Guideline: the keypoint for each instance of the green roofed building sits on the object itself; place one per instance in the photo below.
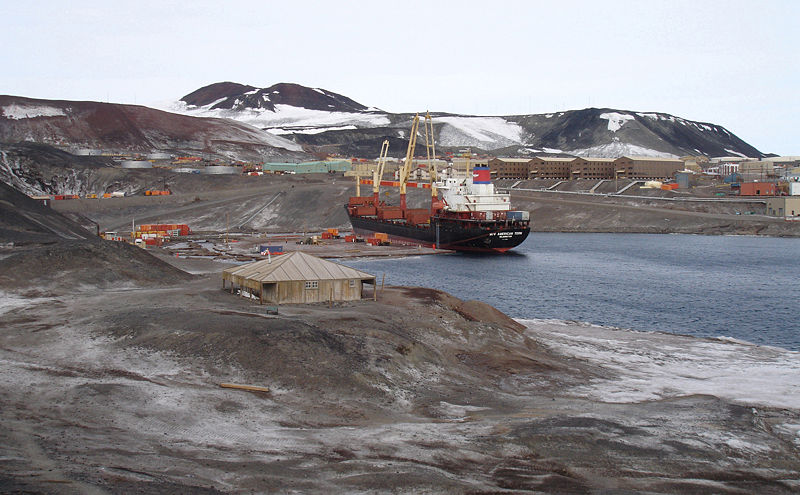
(320, 167)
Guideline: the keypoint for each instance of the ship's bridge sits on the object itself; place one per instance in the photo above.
(462, 194)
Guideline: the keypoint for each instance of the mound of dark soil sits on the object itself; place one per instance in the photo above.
(24, 220)
(69, 264)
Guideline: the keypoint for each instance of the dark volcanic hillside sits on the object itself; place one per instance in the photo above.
(327, 122)
(108, 126)
(234, 96)
(24, 220)
(608, 132)
(40, 246)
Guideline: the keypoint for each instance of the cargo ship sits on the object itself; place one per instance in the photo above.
(466, 212)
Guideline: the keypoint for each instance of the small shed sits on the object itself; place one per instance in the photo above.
(297, 278)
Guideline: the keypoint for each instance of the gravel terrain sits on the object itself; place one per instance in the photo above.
(112, 360)
(118, 390)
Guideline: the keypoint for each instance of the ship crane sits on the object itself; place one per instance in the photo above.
(405, 171)
(466, 212)
(377, 172)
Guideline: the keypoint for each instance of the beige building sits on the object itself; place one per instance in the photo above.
(548, 167)
(509, 168)
(648, 167)
(783, 206)
(592, 168)
(297, 278)
(757, 169)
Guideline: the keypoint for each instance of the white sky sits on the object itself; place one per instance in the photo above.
(733, 63)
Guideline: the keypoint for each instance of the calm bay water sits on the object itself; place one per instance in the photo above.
(741, 287)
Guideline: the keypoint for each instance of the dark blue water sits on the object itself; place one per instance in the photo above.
(741, 287)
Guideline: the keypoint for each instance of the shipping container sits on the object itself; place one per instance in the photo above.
(361, 200)
(366, 210)
(390, 213)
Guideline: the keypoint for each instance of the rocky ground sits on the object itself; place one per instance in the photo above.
(111, 362)
(118, 390)
(281, 204)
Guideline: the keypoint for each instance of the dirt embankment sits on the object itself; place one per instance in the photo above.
(315, 202)
(554, 212)
(418, 391)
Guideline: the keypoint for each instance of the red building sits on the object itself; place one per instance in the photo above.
(758, 189)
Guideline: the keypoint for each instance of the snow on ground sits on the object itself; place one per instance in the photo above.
(651, 366)
(477, 131)
(286, 118)
(616, 120)
(16, 112)
(10, 301)
(736, 153)
(617, 149)
(656, 116)
(293, 130)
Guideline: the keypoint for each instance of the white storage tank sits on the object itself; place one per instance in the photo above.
(136, 164)
(220, 170)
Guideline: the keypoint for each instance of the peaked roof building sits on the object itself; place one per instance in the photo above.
(297, 277)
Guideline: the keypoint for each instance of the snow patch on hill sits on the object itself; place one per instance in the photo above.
(285, 118)
(657, 116)
(484, 132)
(17, 112)
(616, 120)
(617, 149)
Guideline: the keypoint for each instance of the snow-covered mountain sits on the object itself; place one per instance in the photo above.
(331, 122)
(280, 109)
(114, 127)
(290, 122)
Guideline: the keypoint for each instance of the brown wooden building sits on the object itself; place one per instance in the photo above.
(297, 277)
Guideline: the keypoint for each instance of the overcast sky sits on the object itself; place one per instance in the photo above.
(733, 63)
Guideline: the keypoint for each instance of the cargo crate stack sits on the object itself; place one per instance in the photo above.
(156, 234)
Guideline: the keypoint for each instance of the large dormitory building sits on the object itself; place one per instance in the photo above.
(632, 167)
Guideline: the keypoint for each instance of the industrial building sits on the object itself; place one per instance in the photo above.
(509, 168)
(647, 167)
(319, 167)
(758, 189)
(548, 167)
(757, 169)
(784, 206)
(592, 168)
(297, 278)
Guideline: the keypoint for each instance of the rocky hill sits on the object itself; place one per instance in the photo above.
(134, 128)
(328, 122)
(39, 246)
